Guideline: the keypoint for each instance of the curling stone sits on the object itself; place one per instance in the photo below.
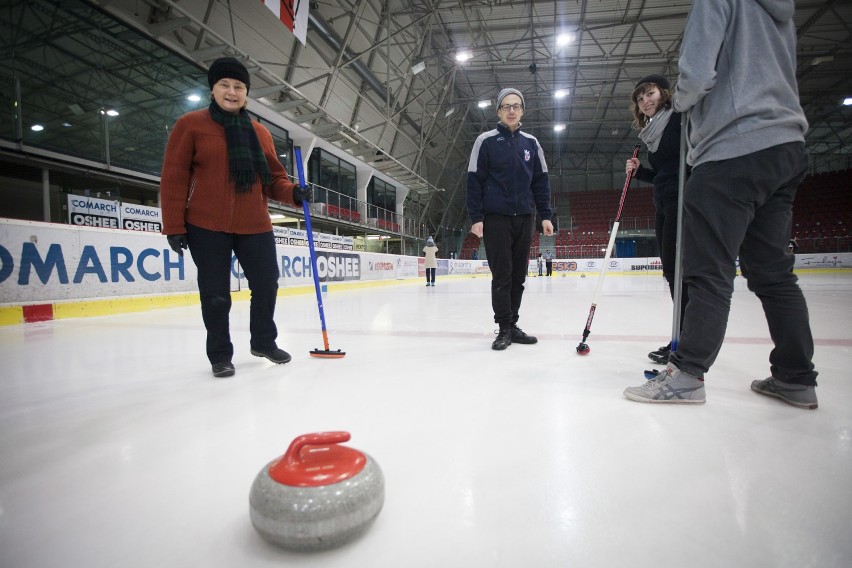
(318, 495)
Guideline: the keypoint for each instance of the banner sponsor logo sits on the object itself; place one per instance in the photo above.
(655, 264)
(817, 261)
(51, 265)
(330, 266)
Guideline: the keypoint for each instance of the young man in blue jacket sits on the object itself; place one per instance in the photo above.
(746, 138)
(507, 183)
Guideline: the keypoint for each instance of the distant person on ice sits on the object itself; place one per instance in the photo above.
(431, 264)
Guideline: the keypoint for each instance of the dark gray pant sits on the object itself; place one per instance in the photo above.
(744, 206)
(507, 247)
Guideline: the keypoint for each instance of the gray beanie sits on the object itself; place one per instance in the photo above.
(505, 92)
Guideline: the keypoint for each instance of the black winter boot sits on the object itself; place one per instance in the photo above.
(274, 354)
(661, 355)
(504, 337)
(518, 336)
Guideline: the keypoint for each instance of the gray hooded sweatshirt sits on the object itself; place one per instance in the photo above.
(738, 78)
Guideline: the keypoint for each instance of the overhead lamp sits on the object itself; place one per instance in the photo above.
(36, 127)
(847, 101)
(109, 112)
(483, 104)
(193, 98)
(418, 67)
(558, 127)
(463, 56)
(564, 39)
(561, 93)
(450, 111)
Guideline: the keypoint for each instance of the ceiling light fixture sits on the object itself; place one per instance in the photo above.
(558, 127)
(564, 39)
(561, 93)
(463, 56)
(483, 104)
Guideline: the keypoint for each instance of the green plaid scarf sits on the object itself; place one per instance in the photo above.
(246, 160)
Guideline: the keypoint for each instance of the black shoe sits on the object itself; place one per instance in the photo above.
(504, 338)
(518, 336)
(223, 369)
(274, 354)
(661, 355)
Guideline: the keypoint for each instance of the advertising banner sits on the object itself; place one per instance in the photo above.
(141, 218)
(93, 212)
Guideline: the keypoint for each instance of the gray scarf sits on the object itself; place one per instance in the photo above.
(653, 131)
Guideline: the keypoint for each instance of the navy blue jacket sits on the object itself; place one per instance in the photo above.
(507, 175)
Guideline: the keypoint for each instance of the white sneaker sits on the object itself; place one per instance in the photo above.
(671, 386)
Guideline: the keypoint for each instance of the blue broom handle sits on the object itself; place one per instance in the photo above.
(300, 168)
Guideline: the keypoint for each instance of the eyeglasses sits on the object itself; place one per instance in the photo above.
(515, 107)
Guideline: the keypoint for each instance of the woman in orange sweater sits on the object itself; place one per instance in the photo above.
(219, 169)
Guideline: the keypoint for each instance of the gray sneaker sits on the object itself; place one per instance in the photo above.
(803, 396)
(670, 386)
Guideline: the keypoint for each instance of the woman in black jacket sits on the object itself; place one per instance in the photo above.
(659, 129)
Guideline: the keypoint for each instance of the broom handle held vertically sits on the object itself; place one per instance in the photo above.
(677, 292)
(613, 233)
(300, 168)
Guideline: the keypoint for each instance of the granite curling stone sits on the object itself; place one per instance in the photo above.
(318, 495)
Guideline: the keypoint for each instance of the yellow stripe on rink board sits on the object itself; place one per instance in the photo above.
(112, 306)
(11, 315)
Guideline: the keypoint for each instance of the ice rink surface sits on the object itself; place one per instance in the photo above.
(119, 449)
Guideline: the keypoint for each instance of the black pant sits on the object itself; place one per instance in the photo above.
(549, 265)
(666, 231)
(430, 273)
(744, 206)
(507, 248)
(211, 252)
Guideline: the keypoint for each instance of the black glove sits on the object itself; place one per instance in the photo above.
(178, 243)
(302, 194)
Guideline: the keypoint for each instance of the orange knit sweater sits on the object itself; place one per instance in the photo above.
(194, 184)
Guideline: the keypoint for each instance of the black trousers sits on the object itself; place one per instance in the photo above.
(211, 251)
(507, 248)
(549, 265)
(430, 273)
(744, 207)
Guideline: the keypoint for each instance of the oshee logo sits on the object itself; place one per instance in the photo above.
(336, 266)
(331, 266)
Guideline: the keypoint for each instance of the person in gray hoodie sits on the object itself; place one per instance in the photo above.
(745, 135)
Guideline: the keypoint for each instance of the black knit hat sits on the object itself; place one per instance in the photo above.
(228, 68)
(658, 80)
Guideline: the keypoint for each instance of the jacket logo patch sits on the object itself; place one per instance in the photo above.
(526, 155)
(500, 139)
